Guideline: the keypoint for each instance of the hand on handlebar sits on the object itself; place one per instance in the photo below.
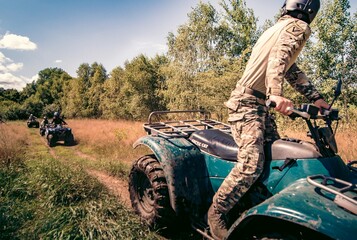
(282, 105)
(292, 112)
(320, 103)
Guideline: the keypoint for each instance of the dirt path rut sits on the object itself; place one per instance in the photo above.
(118, 187)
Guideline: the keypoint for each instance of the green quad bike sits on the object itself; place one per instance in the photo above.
(306, 190)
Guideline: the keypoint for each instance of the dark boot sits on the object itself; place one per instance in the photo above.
(217, 222)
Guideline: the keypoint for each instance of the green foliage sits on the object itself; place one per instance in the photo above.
(205, 58)
(240, 27)
(331, 55)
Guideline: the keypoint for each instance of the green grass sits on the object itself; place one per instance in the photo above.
(43, 197)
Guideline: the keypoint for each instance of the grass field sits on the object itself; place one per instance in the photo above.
(48, 193)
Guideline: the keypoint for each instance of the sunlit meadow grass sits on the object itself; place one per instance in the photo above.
(13, 141)
(109, 142)
(112, 140)
(43, 197)
(346, 138)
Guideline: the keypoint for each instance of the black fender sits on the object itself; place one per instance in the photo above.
(184, 169)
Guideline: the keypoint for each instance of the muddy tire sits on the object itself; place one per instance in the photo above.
(69, 141)
(149, 193)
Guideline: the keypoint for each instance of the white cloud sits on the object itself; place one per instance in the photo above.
(8, 80)
(58, 61)
(7, 65)
(34, 78)
(7, 77)
(13, 67)
(3, 58)
(17, 42)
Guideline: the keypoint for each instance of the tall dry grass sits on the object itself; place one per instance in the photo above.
(107, 139)
(113, 139)
(13, 142)
(345, 137)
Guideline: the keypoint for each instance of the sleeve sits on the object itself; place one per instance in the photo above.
(301, 83)
(284, 52)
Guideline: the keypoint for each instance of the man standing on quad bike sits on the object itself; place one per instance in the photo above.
(32, 117)
(44, 121)
(57, 119)
(272, 59)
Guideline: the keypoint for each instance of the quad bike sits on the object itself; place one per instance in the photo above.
(43, 130)
(306, 191)
(57, 132)
(43, 127)
(33, 123)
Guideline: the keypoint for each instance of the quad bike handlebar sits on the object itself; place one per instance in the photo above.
(309, 111)
(324, 136)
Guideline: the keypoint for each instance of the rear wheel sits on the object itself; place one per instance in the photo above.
(149, 193)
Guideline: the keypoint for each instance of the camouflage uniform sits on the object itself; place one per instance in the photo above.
(58, 120)
(272, 60)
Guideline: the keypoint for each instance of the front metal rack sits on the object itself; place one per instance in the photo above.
(182, 128)
(341, 197)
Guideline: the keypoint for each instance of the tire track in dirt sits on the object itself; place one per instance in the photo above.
(118, 187)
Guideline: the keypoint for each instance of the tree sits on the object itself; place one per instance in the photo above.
(141, 81)
(240, 27)
(98, 75)
(208, 55)
(332, 54)
(111, 104)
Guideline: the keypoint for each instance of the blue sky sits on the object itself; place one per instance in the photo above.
(37, 34)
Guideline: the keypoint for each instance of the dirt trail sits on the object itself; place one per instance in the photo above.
(116, 186)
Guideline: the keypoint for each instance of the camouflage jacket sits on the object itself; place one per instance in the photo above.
(273, 60)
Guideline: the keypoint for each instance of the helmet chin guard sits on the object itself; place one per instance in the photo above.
(309, 8)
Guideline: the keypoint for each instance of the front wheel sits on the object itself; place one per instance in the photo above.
(69, 141)
(149, 193)
(51, 140)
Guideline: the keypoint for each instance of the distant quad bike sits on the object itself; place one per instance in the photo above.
(43, 130)
(306, 190)
(55, 133)
(33, 123)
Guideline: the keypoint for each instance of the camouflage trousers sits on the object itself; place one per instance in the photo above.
(251, 126)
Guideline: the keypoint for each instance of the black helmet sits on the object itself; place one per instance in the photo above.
(56, 114)
(308, 7)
